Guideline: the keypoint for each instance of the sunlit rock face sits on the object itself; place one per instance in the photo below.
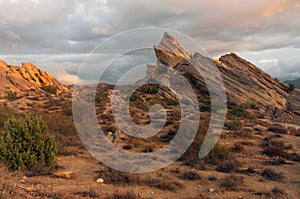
(243, 81)
(24, 78)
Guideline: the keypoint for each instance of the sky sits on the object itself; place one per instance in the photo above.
(57, 35)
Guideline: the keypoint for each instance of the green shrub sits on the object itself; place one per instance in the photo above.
(24, 145)
(218, 105)
(50, 89)
(238, 111)
(215, 156)
(11, 95)
(291, 87)
(135, 96)
(98, 99)
(251, 104)
(204, 107)
(218, 154)
(173, 103)
(151, 89)
(234, 125)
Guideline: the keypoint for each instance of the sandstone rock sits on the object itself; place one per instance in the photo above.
(36, 76)
(20, 79)
(170, 52)
(243, 81)
(211, 190)
(64, 174)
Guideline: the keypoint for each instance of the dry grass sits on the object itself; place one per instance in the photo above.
(159, 181)
(231, 183)
(127, 195)
(190, 175)
(8, 183)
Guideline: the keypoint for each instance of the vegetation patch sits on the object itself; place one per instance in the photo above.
(190, 175)
(231, 183)
(50, 89)
(227, 166)
(271, 175)
(234, 125)
(11, 95)
(24, 144)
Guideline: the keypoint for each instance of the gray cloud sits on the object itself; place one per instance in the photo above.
(40, 29)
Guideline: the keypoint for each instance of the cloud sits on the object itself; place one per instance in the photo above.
(10, 35)
(100, 30)
(32, 27)
(282, 63)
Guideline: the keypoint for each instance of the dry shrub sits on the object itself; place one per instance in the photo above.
(275, 148)
(271, 175)
(161, 182)
(38, 170)
(88, 194)
(149, 147)
(231, 183)
(227, 166)
(276, 128)
(294, 131)
(127, 195)
(234, 125)
(190, 175)
(212, 178)
(277, 191)
(238, 147)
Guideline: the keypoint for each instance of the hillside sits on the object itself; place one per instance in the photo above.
(257, 154)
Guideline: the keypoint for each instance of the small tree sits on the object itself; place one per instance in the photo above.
(291, 87)
(24, 145)
(50, 89)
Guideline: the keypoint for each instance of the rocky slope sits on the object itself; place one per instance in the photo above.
(25, 78)
(243, 80)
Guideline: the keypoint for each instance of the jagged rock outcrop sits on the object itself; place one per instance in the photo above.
(243, 81)
(170, 52)
(24, 78)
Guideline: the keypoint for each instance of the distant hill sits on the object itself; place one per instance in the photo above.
(296, 82)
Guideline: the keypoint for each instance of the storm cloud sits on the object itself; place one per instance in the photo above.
(56, 35)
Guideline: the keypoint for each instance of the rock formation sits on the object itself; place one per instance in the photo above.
(24, 78)
(243, 80)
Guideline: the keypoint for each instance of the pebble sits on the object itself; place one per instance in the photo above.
(100, 180)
